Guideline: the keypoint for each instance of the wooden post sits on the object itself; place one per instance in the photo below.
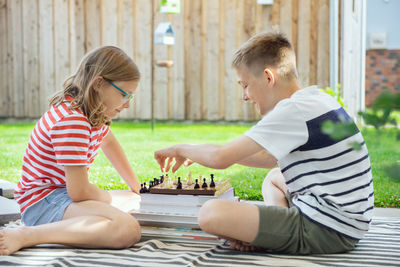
(352, 56)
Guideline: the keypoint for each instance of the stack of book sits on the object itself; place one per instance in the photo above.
(174, 217)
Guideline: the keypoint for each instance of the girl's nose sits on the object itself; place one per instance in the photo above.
(126, 104)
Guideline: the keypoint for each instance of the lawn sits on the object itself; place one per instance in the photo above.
(139, 143)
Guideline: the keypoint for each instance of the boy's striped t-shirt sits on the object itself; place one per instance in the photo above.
(63, 136)
(331, 183)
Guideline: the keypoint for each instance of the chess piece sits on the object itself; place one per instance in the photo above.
(155, 181)
(161, 179)
(212, 184)
(190, 179)
(179, 185)
(196, 186)
(145, 190)
(141, 189)
(168, 184)
(204, 185)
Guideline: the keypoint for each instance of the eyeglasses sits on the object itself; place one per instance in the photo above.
(127, 97)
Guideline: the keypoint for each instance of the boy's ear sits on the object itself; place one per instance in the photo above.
(270, 76)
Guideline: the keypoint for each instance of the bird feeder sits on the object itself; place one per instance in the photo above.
(164, 34)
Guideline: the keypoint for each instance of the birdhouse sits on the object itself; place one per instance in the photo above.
(265, 2)
(164, 34)
(170, 6)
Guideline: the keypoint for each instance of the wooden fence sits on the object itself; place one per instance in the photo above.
(42, 42)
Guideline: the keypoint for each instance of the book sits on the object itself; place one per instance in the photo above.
(179, 235)
(190, 200)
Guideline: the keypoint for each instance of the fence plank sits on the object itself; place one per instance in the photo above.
(30, 55)
(92, 24)
(263, 19)
(76, 33)
(125, 39)
(239, 41)
(285, 18)
(142, 52)
(160, 73)
(4, 91)
(46, 53)
(193, 60)
(109, 22)
(313, 41)
(276, 14)
(303, 48)
(249, 29)
(229, 77)
(61, 43)
(295, 23)
(212, 61)
(178, 71)
(15, 67)
(323, 44)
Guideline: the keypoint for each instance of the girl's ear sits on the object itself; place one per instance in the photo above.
(270, 76)
(97, 83)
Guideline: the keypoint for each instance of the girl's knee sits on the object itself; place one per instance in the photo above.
(127, 232)
(209, 215)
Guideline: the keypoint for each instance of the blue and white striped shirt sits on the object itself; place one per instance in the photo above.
(330, 182)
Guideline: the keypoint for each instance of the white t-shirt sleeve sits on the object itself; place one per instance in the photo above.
(282, 130)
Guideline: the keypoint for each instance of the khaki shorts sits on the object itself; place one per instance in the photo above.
(286, 230)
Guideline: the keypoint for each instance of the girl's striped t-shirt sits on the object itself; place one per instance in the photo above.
(63, 136)
(330, 180)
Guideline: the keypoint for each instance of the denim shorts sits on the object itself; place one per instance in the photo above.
(49, 209)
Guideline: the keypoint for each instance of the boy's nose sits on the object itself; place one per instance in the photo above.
(245, 97)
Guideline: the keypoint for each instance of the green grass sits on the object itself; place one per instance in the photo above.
(139, 143)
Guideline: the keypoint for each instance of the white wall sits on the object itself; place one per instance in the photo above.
(384, 16)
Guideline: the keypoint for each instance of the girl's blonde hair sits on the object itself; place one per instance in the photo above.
(112, 64)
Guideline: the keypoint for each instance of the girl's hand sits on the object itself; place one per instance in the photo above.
(135, 186)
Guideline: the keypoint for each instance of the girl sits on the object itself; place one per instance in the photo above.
(57, 201)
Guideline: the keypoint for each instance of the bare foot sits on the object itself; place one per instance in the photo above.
(11, 240)
(244, 247)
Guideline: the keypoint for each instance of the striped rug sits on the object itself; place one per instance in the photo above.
(380, 247)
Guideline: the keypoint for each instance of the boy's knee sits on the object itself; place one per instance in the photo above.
(274, 178)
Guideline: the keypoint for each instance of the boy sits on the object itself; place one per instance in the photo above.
(320, 198)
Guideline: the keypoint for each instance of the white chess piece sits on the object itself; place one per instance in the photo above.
(190, 179)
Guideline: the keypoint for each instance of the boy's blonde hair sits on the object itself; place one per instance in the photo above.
(267, 50)
(112, 64)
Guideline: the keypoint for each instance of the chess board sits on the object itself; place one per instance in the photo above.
(186, 189)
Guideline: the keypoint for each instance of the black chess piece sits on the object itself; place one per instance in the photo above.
(197, 186)
(145, 190)
(141, 188)
(179, 184)
(212, 184)
(204, 185)
(150, 184)
(161, 179)
(155, 181)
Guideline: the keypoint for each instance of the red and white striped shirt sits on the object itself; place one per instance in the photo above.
(61, 137)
